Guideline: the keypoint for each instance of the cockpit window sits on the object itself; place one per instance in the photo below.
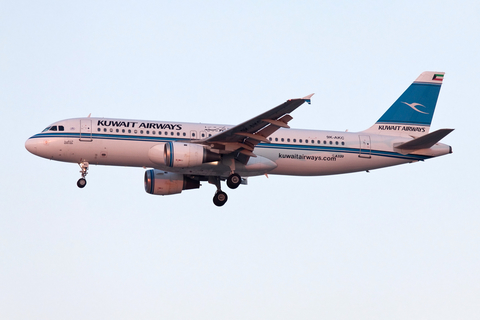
(54, 128)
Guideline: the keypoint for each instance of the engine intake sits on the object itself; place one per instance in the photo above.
(164, 183)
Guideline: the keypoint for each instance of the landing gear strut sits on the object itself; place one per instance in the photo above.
(82, 182)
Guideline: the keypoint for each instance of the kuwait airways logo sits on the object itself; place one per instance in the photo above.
(414, 105)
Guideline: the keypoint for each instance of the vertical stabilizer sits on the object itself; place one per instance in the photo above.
(412, 113)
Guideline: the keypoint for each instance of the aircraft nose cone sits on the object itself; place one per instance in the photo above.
(30, 145)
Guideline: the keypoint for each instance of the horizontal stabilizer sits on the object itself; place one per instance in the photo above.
(426, 141)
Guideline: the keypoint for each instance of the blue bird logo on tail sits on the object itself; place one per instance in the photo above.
(413, 105)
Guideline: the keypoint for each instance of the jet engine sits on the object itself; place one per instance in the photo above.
(164, 183)
(180, 154)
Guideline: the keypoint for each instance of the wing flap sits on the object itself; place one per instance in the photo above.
(277, 123)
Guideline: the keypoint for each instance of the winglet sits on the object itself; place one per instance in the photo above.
(308, 98)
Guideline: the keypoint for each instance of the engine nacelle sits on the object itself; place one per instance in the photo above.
(180, 154)
(165, 183)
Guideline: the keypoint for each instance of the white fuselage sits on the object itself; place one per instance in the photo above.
(120, 142)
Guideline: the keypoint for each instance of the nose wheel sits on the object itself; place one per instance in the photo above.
(82, 182)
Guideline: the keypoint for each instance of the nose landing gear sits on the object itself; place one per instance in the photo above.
(82, 182)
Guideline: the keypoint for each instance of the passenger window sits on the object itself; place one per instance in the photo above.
(148, 131)
(104, 129)
(336, 142)
(270, 138)
(129, 131)
(159, 133)
(123, 130)
(300, 140)
(282, 139)
(306, 140)
(331, 142)
(171, 133)
(111, 130)
(343, 143)
(184, 134)
(98, 129)
(203, 135)
(178, 134)
(294, 140)
(288, 139)
(276, 139)
(117, 131)
(141, 131)
(324, 142)
(193, 134)
(153, 132)
(135, 131)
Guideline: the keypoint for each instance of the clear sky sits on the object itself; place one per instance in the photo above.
(395, 243)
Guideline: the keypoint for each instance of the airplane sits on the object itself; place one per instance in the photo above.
(182, 155)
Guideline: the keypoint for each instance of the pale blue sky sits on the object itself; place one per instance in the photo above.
(397, 243)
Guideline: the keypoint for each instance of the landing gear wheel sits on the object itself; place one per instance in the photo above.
(233, 181)
(81, 183)
(220, 198)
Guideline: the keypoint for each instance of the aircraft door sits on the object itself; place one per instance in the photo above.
(86, 130)
(365, 147)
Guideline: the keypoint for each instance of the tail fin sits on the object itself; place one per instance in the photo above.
(412, 113)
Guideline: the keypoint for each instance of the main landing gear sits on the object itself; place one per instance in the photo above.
(82, 182)
(220, 197)
(234, 180)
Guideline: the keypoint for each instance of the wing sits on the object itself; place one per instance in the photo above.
(244, 137)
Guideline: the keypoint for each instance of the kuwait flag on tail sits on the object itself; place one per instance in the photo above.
(438, 77)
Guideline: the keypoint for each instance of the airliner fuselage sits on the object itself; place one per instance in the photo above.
(121, 142)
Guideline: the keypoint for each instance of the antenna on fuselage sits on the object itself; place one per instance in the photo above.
(89, 115)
